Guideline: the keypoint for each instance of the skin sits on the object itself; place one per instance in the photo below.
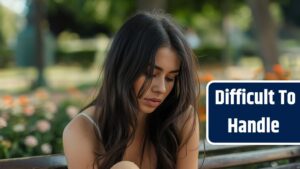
(166, 69)
(80, 129)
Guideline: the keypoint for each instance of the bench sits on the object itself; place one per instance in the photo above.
(238, 156)
(216, 157)
(56, 161)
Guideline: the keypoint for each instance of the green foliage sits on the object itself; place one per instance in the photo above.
(83, 58)
(209, 54)
(119, 11)
(88, 17)
(8, 25)
(83, 11)
(6, 57)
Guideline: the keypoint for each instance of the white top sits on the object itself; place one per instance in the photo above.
(92, 121)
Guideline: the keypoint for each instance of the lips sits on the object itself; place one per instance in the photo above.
(152, 102)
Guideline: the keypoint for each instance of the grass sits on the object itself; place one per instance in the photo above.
(19, 80)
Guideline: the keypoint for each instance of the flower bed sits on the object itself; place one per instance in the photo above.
(32, 124)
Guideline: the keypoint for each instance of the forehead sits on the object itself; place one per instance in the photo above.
(167, 59)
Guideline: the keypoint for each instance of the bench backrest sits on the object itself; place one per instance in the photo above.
(238, 155)
(57, 161)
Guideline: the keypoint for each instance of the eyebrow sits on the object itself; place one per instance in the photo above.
(161, 69)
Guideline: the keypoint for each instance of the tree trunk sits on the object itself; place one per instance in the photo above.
(38, 21)
(1, 29)
(226, 58)
(266, 33)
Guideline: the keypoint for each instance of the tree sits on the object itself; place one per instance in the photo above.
(266, 33)
(39, 18)
(1, 22)
(35, 46)
(146, 5)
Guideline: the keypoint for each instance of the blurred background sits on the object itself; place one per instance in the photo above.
(51, 54)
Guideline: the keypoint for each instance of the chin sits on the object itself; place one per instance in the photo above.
(147, 110)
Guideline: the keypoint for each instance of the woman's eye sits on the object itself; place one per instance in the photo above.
(170, 79)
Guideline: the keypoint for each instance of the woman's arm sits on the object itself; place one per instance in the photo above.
(188, 154)
(78, 142)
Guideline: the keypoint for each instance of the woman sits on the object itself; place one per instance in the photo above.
(144, 114)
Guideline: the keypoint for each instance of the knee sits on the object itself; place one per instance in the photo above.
(125, 165)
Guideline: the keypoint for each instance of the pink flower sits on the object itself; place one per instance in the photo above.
(31, 141)
(46, 148)
(43, 125)
(72, 111)
(29, 110)
(3, 122)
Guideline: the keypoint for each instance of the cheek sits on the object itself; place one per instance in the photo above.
(170, 87)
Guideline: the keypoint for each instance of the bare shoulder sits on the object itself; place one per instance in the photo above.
(79, 138)
(80, 127)
(91, 112)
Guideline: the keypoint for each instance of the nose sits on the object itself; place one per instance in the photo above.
(159, 85)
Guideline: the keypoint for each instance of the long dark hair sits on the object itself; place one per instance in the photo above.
(132, 51)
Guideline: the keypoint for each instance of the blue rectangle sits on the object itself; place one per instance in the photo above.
(233, 106)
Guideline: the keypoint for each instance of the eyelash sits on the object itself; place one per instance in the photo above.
(170, 79)
(167, 78)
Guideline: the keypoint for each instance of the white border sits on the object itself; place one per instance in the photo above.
(243, 81)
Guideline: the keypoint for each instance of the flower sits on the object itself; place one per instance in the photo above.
(277, 68)
(3, 122)
(72, 111)
(277, 73)
(270, 76)
(41, 94)
(27, 121)
(43, 126)
(206, 78)
(29, 110)
(31, 141)
(46, 148)
(50, 107)
(8, 101)
(23, 100)
(19, 127)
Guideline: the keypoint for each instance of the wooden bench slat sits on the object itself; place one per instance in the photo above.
(58, 161)
(237, 159)
(45, 162)
(286, 166)
(209, 147)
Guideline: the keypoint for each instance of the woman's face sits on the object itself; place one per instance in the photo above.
(165, 71)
